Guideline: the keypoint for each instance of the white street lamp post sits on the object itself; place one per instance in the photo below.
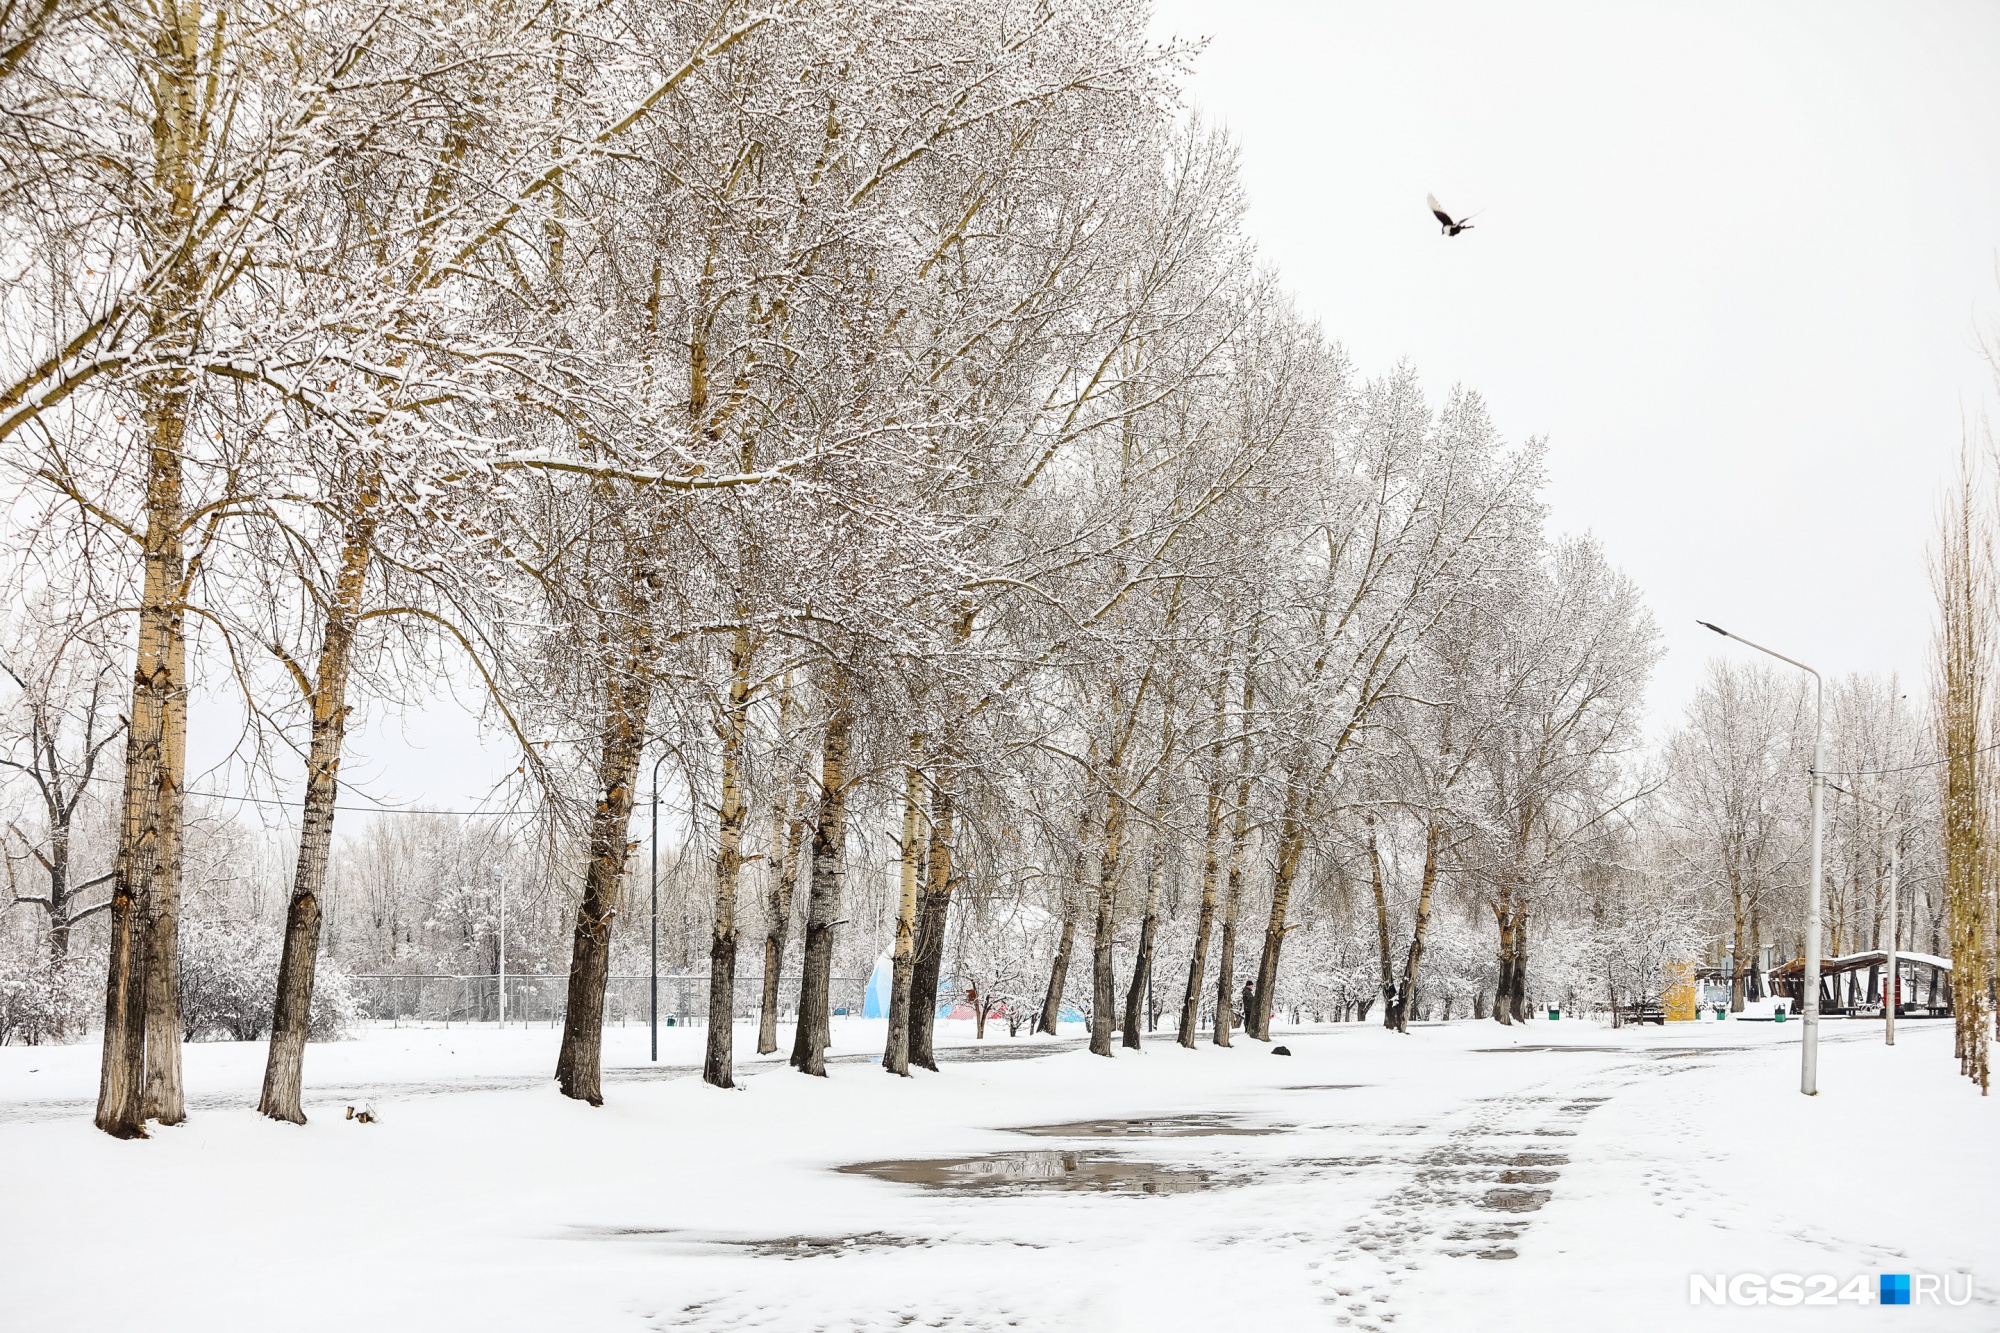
(501, 876)
(1809, 979)
(654, 965)
(1894, 983)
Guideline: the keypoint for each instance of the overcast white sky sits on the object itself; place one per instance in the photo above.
(1731, 260)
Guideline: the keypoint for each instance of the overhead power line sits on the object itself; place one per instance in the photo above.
(1903, 768)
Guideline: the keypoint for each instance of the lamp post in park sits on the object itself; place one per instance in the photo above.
(500, 876)
(653, 967)
(1809, 978)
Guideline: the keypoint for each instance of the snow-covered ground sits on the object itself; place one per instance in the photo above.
(1610, 1165)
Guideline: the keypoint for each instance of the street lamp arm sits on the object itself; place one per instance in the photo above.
(1769, 652)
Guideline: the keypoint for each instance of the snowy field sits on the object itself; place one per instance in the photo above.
(1467, 1176)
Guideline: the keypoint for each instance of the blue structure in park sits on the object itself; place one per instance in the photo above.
(875, 1004)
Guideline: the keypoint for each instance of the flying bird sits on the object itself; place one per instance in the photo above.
(1451, 228)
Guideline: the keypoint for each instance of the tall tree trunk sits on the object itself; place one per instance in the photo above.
(1387, 963)
(1406, 996)
(141, 1072)
(1736, 944)
(1066, 944)
(1225, 974)
(1142, 962)
(1059, 969)
(1503, 989)
(933, 913)
(165, 1099)
(579, 1063)
(1204, 922)
(939, 879)
(719, 1058)
(814, 1031)
(1103, 982)
(1518, 975)
(150, 825)
(59, 903)
(291, 1016)
(787, 832)
(1756, 982)
(1239, 836)
(896, 1052)
(1291, 846)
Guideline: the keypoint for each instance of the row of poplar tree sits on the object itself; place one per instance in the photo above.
(838, 399)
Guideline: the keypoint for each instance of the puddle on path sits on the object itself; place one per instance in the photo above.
(1158, 1127)
(1348, 1163)
(1528, 1177)
(1530, 1046)
(1018, 1172)
(807, 1247)
(1514, 1200)
(1461, 1157)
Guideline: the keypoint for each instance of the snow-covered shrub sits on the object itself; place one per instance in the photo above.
(41, 1004)
(229, 984)
(336, 1002)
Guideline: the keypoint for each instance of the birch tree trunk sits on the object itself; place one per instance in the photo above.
(1142, 962)
(1390, 1019)
(718, 1059)
(1225, 963)
(933, 911)
(787, 831)
(1738, 923)
(1291, 846)
(165, 1101)
(1517, 976)
(141, 1073)
(1503, 989)
(1066, 943)
(1420, 932)
(1059, 970)
(1142, 966)
(291, 1017)
(814, 1030)
(579, 1064)
(896, 1053)
(1239, 836)
(1204, 919)
(149, 832)
(59, 895)
(1103, 984)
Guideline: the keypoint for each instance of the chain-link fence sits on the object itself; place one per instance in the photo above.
(442, 998)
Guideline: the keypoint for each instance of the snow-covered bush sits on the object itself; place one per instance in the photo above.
(229, 977)
(41, 1004)
(336, 1002)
